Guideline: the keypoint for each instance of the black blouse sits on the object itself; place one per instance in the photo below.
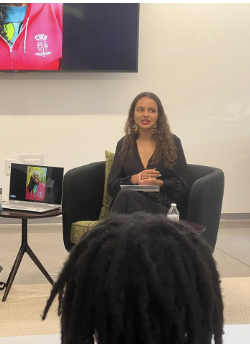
(175, 181)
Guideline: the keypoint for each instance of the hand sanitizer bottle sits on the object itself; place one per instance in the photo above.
(173, 213)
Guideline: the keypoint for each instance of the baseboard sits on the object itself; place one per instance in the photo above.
(235, 216)
(58, 219)
(55, 219)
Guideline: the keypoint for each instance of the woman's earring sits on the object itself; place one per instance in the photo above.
(135, 128)
(154, 129)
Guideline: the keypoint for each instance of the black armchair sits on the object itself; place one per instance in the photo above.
(83, 193)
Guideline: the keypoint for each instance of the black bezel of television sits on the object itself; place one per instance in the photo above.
(97, 37)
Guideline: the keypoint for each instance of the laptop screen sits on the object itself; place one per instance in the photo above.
(34, 183)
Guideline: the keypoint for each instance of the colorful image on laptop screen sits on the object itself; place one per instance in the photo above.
(36, 183)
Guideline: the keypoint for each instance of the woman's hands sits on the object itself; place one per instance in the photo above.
(148, 174)
(147, 177)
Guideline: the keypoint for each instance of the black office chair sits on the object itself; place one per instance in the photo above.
(83, 194)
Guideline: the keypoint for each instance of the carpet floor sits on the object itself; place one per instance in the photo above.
(236, 297)
(21, 313)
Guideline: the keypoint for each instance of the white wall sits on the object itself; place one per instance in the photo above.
(195, 57)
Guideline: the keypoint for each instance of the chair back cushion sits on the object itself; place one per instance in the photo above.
(107, 199)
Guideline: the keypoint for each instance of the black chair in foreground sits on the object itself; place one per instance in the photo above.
(84, 197)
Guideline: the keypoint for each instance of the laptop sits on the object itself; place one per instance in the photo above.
(35, 188)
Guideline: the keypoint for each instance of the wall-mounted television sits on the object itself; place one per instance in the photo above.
(96, 37)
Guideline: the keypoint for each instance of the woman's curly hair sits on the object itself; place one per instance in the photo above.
(139, 279)
(3, 16)
(165, 147)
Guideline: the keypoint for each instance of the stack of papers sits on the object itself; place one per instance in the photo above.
(142, 188)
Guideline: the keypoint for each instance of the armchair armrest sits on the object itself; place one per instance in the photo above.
(82, 196)
(205, 202)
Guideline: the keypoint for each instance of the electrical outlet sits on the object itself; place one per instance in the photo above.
(33, 159)
(8, 165)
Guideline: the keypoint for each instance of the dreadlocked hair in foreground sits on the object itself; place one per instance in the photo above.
(3, 16)
(165, 147)
(139, 279)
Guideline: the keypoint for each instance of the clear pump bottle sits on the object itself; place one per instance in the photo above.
(173, 213)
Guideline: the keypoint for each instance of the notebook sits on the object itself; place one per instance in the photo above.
(35, 188)
(142, 188)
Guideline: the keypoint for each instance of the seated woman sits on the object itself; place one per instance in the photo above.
(139, 279)
(149, 154)
(35, 190)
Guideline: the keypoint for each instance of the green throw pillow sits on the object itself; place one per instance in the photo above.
(107, 199)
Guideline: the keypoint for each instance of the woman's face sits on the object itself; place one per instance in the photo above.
(146, 113)
(35, 177)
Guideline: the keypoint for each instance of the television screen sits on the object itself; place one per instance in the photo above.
(69, 37)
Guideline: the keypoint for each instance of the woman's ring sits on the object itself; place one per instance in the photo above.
(149, 177)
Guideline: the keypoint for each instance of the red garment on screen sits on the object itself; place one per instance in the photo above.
(39, 44)
(38, 196)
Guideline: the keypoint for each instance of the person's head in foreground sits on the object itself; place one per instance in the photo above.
(139, 279)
